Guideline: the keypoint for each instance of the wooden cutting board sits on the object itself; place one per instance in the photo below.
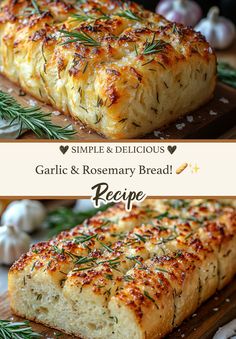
(218, 311)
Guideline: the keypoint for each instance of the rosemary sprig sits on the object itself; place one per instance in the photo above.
(65, 218)
(32, 118)
(147, 295)
(82, 38)
(162, 216)
(84, 238)
(226, 74)
(106, 247)
(84, 260)
(128, 14)
(36, 7)
(135, 259)
(82, 17)
(17, 330)
(140, 237)
(154, 46)
(86, 17)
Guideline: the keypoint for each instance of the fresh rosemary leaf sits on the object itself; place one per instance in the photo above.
(128, 278)
(161, 270)
(84, 238)
(227, 74)
(84, 260)
(128, 14)
(80, 1)
(58, 250)
(140, 237)
(154, 46)
(36, 7)
(17, 330)
(32, 118)
(82, 38)
(162, 216)
(147, 295)
(106, 247)
(86, 17)
(82, 17)
(135, 259)
(65, 218)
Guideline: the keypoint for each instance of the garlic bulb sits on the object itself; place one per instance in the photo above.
(10, 130)
(83, 206)
(219, 31)
(13, 243)
(184, 12)
(27, 215)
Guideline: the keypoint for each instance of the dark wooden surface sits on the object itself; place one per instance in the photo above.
(218, 311)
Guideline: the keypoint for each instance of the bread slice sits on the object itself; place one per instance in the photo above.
(128, 274)
(135, 72)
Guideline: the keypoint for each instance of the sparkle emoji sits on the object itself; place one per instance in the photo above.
(195, 169)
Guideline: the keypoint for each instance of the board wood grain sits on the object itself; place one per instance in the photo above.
(216, 312)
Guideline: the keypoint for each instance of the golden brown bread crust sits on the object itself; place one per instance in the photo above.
(138, 273)
(115, 84)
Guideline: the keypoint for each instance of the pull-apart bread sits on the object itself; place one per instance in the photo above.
(116, 67)
(133, 275)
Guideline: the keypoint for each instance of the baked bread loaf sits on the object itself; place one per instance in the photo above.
(118, 68)
(131, 275)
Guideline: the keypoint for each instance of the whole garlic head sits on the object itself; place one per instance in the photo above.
(13, 243)
(219, 31)
(186, 12)
(9, 130)
(27, 215)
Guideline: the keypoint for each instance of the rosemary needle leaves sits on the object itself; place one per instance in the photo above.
(66, 218)
(82, 38)
(227, 74)
(32, 118)
(128, 14)
(153, 46)
(81, 17)
(17, 330)
(36, 7)
(86, 17)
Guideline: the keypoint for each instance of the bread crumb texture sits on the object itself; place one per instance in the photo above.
(125, 274)
(121, 70)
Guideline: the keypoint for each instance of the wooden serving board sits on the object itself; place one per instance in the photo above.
(217, 312)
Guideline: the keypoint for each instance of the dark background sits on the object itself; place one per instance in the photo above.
(227, 7)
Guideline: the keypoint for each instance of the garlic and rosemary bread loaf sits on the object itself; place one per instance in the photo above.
(120, 69)
(133, 275)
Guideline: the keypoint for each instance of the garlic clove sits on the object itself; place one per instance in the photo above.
(27, 215)
(218, 31)
(185, 12)
(13, 243)
(9, 130)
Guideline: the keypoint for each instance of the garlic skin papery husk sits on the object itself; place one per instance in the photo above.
(186, 12)
(83, 206)
(219, 31)
(10, 130)
(27, 215)
(13, 243)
